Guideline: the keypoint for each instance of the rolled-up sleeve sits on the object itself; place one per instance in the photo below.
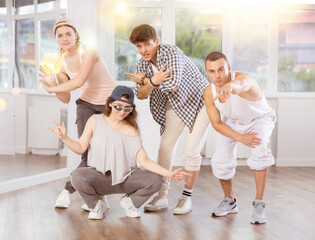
(175, 61)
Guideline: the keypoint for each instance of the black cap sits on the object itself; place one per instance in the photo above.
(119, 91)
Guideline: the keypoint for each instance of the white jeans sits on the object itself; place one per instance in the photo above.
(223, 161)
(194, 142)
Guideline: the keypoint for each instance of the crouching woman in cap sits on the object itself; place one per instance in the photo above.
(114, 147)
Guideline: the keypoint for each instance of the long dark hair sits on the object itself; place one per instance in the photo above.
(131, 117)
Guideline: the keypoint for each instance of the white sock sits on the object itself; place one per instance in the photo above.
(187, 192)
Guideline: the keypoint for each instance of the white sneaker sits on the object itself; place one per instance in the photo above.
(86, 208)
(106, 205)
(98, 211)
(184, 205)
(156, 204)
(63, 200)
(130, 209)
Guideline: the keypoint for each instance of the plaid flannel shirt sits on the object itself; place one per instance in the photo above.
(188, 100)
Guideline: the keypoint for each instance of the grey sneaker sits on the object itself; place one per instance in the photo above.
(258, 216)
(226, 207)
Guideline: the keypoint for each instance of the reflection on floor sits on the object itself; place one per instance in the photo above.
(22, 165)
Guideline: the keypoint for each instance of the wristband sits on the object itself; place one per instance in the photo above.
(152, 83)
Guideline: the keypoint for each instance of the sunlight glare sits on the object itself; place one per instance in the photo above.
(16, 91)
(3, 104)
(121, 9)
(89, 37)
(53, 62)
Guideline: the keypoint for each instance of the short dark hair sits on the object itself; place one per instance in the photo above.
(214, 56)
(142, 33)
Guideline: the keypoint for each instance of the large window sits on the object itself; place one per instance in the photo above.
(250, 45)
(296, 51)
(48, 42)
(4, 54)
(260, 37)
(198, 32)
(274, 45)
(3, 9)
(126, 55)
(144, 0)
(25, 53)
(45, 5)
(21, 55)
(48, 51)
(23, 6)
(201, 1)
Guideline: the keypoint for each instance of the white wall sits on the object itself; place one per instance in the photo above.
(296, 131)
(13, 123)
(14, 119)
(21, 108)
(7, 124)
(150, 130)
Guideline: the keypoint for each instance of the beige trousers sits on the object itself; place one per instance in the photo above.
(195, 140)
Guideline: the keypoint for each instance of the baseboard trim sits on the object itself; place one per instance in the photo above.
(19, 183)
(6, 151)
(287, 162)
(206, 162)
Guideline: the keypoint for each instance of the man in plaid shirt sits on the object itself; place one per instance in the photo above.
(175, 87)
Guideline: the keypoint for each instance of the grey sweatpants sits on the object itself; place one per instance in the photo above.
(84, 111)
(91, 184)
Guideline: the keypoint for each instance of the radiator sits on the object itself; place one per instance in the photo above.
(39, 119)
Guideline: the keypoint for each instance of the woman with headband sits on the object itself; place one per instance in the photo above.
(82, 67)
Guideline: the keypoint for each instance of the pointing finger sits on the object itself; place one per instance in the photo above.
(56, 123)
(186, 174)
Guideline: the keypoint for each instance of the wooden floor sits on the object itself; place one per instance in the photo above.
(290, 209)
(22, 165)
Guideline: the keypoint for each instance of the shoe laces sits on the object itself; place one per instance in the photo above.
(259, 206)
(181, 202)
(223, 203)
